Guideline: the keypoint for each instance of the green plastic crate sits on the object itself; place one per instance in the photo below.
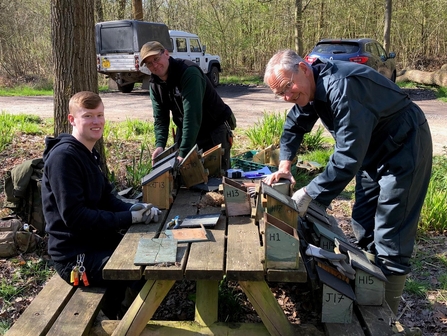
(245, 162)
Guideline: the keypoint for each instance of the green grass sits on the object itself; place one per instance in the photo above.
(441, 94)
(434, 211)
(267, 130)
(11, 125)
(37, 270)
(140, 167)
(416, 287)
(25, 90)
(443, 281)
(244, 80)
(441, 258)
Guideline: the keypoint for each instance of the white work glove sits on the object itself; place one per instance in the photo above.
(302, 200)
(144, 213)
(153, 216)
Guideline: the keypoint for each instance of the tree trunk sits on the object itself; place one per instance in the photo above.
(121, 9)
(137, 9)
(99, 11)
(74, 58)
(438, 77)
(387, 25)
(299, 27)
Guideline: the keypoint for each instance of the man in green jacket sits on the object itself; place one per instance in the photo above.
(180, 87)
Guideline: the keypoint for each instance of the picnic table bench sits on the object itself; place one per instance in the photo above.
(59, 309)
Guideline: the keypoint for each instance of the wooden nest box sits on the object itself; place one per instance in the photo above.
(158, 185)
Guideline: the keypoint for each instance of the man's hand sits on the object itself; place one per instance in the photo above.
(283, 172)
(302, 200)
(276, 176)
(144, 213)
(157, 152)
(153, 216)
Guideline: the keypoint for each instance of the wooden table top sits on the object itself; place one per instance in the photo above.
(234, 249)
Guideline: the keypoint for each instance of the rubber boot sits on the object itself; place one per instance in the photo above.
(393, 291)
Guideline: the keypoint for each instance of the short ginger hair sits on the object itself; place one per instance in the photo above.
(84, 99)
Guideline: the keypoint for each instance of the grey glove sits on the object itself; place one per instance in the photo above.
(302, 200)
(318, 252)
(344, 268)
(144, 213)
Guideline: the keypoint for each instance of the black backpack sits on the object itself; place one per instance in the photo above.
(23, 193)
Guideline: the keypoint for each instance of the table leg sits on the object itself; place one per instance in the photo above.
(267, 307)
(207, 292)
(143, 307)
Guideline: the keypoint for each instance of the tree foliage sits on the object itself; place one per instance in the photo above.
(245, 33)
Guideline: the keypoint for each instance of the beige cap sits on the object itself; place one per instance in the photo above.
(149, 49)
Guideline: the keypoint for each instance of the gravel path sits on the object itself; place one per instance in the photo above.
(247, 102)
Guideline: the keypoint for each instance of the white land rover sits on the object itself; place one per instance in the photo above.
(118, 45)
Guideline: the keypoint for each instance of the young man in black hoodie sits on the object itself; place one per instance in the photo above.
(83, 217)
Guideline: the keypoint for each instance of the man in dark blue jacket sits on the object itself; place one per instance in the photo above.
(83, 217)
(382, 140)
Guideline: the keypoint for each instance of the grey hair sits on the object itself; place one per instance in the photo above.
(285, 60)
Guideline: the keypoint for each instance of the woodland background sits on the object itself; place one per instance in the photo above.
(245, 33)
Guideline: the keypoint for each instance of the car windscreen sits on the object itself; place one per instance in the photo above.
(336, 48)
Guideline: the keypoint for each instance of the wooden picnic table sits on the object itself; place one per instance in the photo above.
(233, 250)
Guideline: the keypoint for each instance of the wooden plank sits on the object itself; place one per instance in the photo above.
(159, 190)
(143, 307)
(336, 307)
(80, 312)
(191, 169)
(207, 292)
(188, 328)
(212, 160)
(282, 245)
(121, 264)
(185, 205)
(344, 329)
(267, 307)
(376, 319)
(369, 290)
(206, 259)
(298, 275)
(244, 253)
(237, 201)
(44, 309)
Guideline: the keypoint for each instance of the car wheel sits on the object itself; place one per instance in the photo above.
(213, 75)
(126, 88)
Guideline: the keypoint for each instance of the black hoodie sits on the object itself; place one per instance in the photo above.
(80, 211)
